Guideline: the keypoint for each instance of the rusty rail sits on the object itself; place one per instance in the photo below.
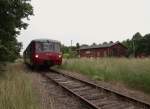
(130, 100)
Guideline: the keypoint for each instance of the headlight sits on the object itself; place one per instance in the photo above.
(59, 56)
(36, 56)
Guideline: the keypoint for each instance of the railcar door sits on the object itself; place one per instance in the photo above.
(31, 52)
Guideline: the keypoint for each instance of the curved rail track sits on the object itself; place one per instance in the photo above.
(94, 96)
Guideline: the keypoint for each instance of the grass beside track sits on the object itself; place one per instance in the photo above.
(134, 73)
(16, 91)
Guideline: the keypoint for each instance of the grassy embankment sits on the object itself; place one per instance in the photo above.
(134, 73)
(16, 91)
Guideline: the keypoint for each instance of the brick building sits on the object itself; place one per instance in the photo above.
(105, 50)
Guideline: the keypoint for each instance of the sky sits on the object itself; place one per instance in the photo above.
(87, 21)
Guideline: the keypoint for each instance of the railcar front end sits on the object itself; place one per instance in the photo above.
(43, 53)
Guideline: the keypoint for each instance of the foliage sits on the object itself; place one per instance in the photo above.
(70, 51)
(12, 13)
(138, 45)
(77, 45)
(134, 73)
(66, 55)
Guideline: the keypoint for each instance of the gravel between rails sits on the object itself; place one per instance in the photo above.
(52, 96)
(62, 81)
(113, 86)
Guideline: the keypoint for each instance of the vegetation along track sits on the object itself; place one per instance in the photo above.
(95, 96)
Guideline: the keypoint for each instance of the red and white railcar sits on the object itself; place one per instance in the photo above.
(43, 52)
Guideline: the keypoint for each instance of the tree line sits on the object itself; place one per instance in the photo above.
(138, 46)
(12, 14)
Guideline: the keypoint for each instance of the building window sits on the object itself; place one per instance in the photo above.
(87, 52)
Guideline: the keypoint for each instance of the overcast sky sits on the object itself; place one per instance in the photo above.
(87, 21)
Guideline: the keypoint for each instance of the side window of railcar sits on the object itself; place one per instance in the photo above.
(30, 48)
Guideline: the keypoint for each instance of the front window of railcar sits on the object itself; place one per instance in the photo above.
(47, 47)
(57, 47)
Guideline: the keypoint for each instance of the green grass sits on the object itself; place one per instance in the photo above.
(16, 91)
(134, 73)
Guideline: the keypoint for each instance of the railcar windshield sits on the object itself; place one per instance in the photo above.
(47, 47)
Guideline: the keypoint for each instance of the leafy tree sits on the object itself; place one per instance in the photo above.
(105, 43)
(145, 44)
(111, 42)
(94, 44)
(12, 13)
(129, 45)
(77, 48)
(77, 45)
(138, 45)
(65, 49)
(137, 36)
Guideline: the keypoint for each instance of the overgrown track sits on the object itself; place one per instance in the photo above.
(95, 96)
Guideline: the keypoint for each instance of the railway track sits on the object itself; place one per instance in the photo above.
(94, 96)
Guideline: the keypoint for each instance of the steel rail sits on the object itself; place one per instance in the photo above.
(93, 106)
(146, 105)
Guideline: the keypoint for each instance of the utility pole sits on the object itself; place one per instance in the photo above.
(71, 49)
(133, 48)
(71, 46)
(71, 43)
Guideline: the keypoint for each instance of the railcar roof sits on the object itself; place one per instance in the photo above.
(45, 40)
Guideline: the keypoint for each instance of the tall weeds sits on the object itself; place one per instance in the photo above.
(16, 91)
(134, 73)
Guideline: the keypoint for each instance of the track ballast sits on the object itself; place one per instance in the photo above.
(93, 95)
